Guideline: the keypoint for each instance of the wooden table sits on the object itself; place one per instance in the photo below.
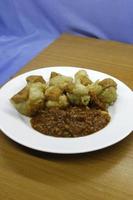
(102, 175)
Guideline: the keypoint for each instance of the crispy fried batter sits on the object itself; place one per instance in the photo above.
(63, 91)
(21, 96)
(96, 102)
(30, 99)
(82, 77)
(54, 74)
(53, 93)
(34, 79)
(107, 82)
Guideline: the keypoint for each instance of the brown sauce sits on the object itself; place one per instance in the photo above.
(70, 122)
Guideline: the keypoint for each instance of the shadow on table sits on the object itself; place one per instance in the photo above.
(51, 169)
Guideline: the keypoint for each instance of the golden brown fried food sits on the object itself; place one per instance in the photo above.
(108, 95)
(29, 100)
(54, 74)
(77, 92)
(78, 100)
(34, 79)
(21, 96)
(82, 77)
(73, 99)
(62, 91)
(80, 90)
(50, 104)
(85, 100)
(62, 102)
(103, 93)
(53, 93)
(69, 88)
(107, 82)
(95, 88)
(96, 102)
(60, 81)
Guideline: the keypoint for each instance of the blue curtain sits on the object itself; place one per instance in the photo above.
(28, 26)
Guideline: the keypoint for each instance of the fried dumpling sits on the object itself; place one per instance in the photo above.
(31, 98)
(82, 77)
(60, 81)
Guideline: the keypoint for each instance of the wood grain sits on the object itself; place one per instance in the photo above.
(105, 174)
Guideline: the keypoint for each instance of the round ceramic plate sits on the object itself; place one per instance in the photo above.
(18, 128)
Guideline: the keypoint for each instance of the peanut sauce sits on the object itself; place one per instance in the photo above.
(70, 122)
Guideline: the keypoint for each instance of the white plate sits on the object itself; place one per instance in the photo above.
(17, 127)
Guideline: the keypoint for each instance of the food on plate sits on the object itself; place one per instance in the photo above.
(35, 79)
(82, 77)
(108, 82)
(60, 81)
(62, 102)
(53, 93)
(72, 122)
(95, 88)
(108, 95)
(78, 94)
(78, 102)
(31, 98)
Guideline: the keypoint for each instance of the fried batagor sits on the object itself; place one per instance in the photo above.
(31, 98)
(108, 95)
(78, 94)
(55, 97)
(78, 100)
(60, 81)
(53, 74)
(53, 93)
(62, 91)
(103, 93)
(62, 102)
(108, 82)
(35, 79)
(82, 77)
(95, 88)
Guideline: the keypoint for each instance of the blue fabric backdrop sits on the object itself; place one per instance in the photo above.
(28, 26)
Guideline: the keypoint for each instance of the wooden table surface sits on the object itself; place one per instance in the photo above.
(102, 175)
